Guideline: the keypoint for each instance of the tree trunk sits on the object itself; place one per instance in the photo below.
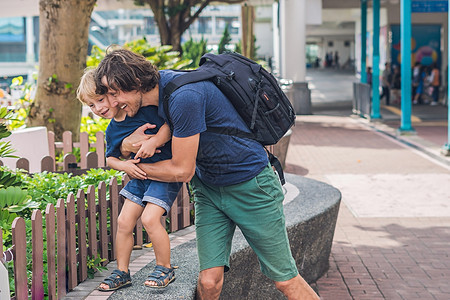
(63, 36)
(174, 17)
(158, 8)
(248, 42)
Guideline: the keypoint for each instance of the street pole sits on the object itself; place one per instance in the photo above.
(405, 33)
(376, 61)
(446, 147)
(363, 40)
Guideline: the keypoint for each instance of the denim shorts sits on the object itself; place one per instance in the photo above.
(256, 207)
(146, 191)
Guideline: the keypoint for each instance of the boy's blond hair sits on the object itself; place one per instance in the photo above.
(87, 87)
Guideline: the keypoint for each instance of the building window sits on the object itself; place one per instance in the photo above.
(231, 22)
(12, 40)
(150, 25)
(202, 25)
(12, 30)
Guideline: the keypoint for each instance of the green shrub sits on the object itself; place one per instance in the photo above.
(161, 56)
(193, 50)
(224, 41)
(92, 126)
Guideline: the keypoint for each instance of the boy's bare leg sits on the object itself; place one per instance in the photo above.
(296, 289)
(210, 282)
(151, 219)
(124, 237)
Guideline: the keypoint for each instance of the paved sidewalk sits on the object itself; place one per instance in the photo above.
(392, 235)
(393, 229)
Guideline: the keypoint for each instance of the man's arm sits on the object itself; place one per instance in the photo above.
(149, 147)
(128, 145)
(181, 168)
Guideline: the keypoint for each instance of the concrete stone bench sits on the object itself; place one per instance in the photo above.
(311, 208)
(30, 143)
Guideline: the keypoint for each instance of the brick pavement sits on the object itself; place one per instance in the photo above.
(404, 255)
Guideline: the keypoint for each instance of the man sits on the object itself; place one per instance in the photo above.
(386, 83)
(232, 181)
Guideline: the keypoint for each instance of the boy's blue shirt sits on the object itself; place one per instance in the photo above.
(222, 160)
(117, 131)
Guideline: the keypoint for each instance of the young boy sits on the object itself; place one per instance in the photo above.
(145, 198)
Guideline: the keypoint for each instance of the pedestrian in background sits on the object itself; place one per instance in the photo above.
(369, 76)
(415, 79)
(396, 84)
(386, 78)
(434, 84)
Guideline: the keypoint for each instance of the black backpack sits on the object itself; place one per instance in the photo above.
(254, 93)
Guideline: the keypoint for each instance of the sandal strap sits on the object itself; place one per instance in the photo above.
(160, 274)
(117, 277)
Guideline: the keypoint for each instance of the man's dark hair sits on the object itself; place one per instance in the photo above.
(126, 71)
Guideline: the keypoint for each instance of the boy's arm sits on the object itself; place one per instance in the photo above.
(128, 167)
(149, 147)
(128, 144)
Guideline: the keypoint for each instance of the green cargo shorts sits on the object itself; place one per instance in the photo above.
(256, 207)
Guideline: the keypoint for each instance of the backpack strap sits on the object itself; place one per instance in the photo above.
(231, 131)
(274, 162)
(172, 86)
(217, 59)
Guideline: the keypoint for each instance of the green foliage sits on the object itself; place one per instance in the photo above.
(94, 265)
(194, 50)
(238, 47)
(47, 187)
(13, 199)
(224, 41)
(22, 105)
(94, 176)
(92, 126)
(97, 54)
(255, 49)
(161, 56)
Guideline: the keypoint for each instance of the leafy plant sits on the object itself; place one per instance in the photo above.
(224, 41)
(194, 50)
(92, 126)
(47, 187)
(94, 265)
(161, 56)
(13, 199)
(22, 105)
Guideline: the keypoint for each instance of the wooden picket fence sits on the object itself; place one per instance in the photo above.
(76, 229)
(70, 164)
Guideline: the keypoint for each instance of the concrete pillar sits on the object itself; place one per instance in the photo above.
(293, 53)
(405, 36)
(293, 39)
(276, 39)
(30, 40)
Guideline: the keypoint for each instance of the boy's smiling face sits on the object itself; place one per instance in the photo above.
(102, 108)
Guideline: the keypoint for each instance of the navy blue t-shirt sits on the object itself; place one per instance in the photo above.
(222, 160)
(117, 131)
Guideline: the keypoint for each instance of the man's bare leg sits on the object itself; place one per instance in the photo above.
(296, 289)
(210, 282)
